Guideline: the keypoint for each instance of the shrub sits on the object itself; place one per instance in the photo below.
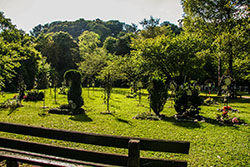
(187, 101)
(147, 116)
(33, 96)
(73, 78)
(11, 104)
(158, 94)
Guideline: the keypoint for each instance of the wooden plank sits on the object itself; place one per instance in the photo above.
(41, 159)
(97, 139)
(134, 153)
(75, 154)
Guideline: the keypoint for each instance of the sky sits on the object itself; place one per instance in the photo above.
(26, 14)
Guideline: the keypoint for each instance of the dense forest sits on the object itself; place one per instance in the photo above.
(103, 28)
(212, 42)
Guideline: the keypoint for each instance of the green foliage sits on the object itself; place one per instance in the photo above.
(75, 28)
(156, 31)
(43, 74)
(120, 45)
(147, 116)
(93, 63)
(150, 23)
(158, 94)
(174, 28)
(187, 100)
(110, 44)
(132, 68)
(61, 51)
(88, 42)
(175, 57)
(34, 95)
(108, 75)
(29, 66)
(114, 69)
(73, 78)
(93, 57)
(221, 24)
(17, 56)
(9, 61)
(11, 104)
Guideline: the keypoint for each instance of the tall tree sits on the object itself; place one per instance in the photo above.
(93, 63)
(17, 55)
(88, 42)
(215, 20)
(174, 57)
(61, 50)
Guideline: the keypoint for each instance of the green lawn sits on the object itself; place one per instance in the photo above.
(211, 144)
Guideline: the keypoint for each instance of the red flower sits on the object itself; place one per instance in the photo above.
(25, 97)
(235, 120)
(225, 112)
(226, 108)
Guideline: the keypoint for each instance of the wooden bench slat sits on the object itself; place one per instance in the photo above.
(36, 161)
(41, 159)
(97, 139)
(82, 155)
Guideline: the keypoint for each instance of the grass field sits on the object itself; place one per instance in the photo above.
(211, 144)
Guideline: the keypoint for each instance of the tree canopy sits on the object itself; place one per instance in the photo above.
(18, 57)
(61, 51)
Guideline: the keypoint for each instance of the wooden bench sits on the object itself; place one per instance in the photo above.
(15, 150)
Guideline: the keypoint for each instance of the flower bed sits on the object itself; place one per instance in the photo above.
(224, 117)
(34, 96)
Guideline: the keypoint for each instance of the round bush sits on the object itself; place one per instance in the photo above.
(187, 101)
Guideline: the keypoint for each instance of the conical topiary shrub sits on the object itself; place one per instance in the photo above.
(75, 100)
(158, 94)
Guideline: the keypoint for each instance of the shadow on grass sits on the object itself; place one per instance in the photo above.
(81, 118)
(118, 91)
(12, 110)
(217, 123)
(91, 98)
(185, 124)
(239, 100)
(193, 125)
(122, 120)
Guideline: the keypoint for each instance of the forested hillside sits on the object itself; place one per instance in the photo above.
(103, 28)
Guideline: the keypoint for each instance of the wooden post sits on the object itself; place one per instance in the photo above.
(133, 153)
(11, 163)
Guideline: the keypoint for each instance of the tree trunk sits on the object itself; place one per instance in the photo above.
(219, 77)
(230, 68)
